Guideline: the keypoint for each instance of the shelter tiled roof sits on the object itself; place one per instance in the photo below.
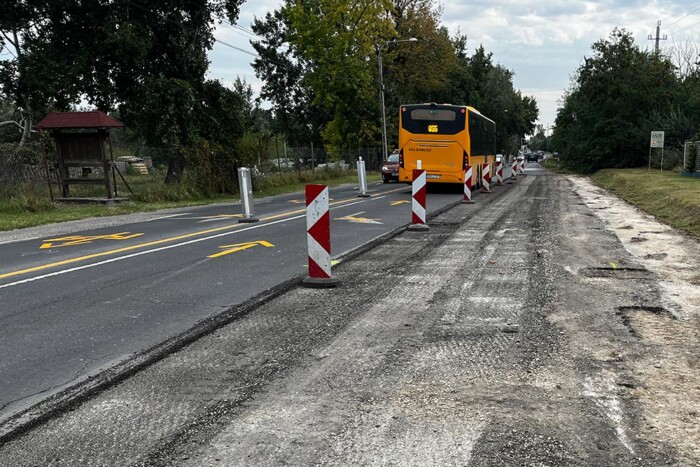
(93, 119)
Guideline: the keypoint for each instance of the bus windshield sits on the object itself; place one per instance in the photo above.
(433, 119)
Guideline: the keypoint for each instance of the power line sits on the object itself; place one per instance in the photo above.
(688, 27)
(682, 11)
(694, 9)
(246, 30)
(143, 8)
(236, 48)
(9, 51)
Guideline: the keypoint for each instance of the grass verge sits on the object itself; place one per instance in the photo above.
(553, 165)
(28, 207)
(668, 196)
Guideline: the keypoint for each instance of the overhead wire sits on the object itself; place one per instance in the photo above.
(143, 8)
(687, 27)
(681, 12)
(694, 10)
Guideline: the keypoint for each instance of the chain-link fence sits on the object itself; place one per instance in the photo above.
(146, 171)
(310, 158)
(22, 166)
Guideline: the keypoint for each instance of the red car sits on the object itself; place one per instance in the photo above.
(390, 169)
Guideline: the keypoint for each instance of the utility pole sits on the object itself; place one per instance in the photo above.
(658, 37)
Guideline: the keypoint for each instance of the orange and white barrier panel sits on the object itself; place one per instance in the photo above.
(485, 178)
(418, 203)
(318, 230)
(468, 185)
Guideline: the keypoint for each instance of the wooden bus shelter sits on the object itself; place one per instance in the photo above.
(84, 148)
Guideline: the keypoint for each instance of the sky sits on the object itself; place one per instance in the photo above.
(542, 42)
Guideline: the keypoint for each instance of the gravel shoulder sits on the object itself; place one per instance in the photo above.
(527, 329)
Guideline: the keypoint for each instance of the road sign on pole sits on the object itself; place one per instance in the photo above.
(657, 139)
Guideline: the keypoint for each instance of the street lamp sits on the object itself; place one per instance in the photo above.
(381, 89)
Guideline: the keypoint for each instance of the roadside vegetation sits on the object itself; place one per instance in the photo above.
(319, 73)
(618, 96)
(668, 196)
(30, 207)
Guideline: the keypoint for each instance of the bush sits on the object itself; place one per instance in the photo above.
(30, 199)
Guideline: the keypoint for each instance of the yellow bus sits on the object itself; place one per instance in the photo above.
(445, 138)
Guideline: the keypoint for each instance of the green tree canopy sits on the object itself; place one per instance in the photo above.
(605, 117)
(145, 59)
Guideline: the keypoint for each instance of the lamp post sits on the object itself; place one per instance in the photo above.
(381, 89)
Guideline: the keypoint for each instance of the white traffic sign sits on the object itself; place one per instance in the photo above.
(657, 139)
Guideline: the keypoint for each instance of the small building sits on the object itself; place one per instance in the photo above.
(84, 148)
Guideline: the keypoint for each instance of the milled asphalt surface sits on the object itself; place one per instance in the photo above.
(493, 339)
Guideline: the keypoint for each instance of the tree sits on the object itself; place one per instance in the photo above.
(297, 114)
(415, 71)
(109, 53)
(604, 119)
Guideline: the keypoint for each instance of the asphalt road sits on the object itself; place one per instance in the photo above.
(537, 327)
(74, 304)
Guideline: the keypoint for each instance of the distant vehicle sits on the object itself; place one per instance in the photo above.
(533, 157)
(390, 169)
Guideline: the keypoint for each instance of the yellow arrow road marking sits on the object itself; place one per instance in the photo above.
(396, 203)
(358, 220)
(199, 233)
(228, 249)
(81, 239)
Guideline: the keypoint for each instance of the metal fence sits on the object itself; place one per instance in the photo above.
(310, 158)
(24, 165)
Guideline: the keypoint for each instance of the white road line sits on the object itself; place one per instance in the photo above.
(168, 217)
(146, 252)
(168, 247)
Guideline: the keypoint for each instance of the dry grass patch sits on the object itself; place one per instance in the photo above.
(668, 196)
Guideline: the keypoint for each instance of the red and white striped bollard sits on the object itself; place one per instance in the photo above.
(499, 173)
(522, 167)
(468, 185)
(318, 238)
(514, 170)
(418, 201)
(485, 178)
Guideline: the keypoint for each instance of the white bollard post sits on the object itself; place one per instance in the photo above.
(245, 186)
(362, 179)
